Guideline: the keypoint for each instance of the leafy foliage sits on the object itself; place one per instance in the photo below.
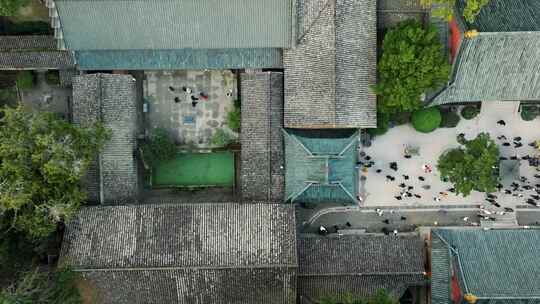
(159, 147)
(221, 138)
(10, 7)
(426, 120)
(25, 80)
(472, 167)
(401, 118)
(42, 161)
(53, 77)
(383, 121)
(412, 63)
(450, 119)
(469, 112)
(446, 8)
(381, 297)
(529, 112)
(233, 119)
(39, 286)
(8, 96)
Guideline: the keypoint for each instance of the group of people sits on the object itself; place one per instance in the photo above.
(188, 91)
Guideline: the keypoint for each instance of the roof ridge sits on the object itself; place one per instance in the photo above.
(158, 268)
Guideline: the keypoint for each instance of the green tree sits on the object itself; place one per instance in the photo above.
(473, 166)
(412, 62)
(159, 147)
(10, 7)
(445, 8)
(233, 119)
(380, 297)
(42, 161)
(39, 286)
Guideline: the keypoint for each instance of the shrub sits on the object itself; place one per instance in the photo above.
(383, 121)
(27, 28)
(221, 138)
(8, 96)
(10, 7)
(25, 80)
(159, 147)
(427, 119)
(469, 112)
(39, 286)
(401, 118)
(450, 119)
(529, 113)
(53, 77)
(233, 119)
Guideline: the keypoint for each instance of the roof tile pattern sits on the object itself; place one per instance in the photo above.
(169, 25)
(496, 264)
(359, 264)
(198, 235)
(32, 42)
(262, 174)
(506, 16)
(329, 72)
(495, 67)
(198, 253)
(32, 52)
(110, 99)
(253, 58)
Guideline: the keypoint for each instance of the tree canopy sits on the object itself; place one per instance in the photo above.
(472, 166)
(42, 161)
(380, 297)
(10, 7)
(412, 62)
(446, 8)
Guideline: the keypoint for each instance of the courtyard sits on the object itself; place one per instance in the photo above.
(192, 118)
(377, 190)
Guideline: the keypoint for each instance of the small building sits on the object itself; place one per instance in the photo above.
(473, 265)
(320, 166)
(169, 35)
(33, 52)
(110, 99)
(329, 73)
(496, 57)
(189, 253)
(359, 265)
(262, 171)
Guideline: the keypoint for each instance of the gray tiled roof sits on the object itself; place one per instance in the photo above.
(495, 66)
(191, 253)
(329, 72)
(32, 52)
(359, 264)
(111, 100)
(262, 174)
(14, 43)
(15, 60)
(506, 16)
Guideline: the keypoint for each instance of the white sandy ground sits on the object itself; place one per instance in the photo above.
(390, 146)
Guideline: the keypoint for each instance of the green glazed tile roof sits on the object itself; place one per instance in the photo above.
(495, 67)
(498, 266)
(174, 24)
(506, 16)
(320, 169)
(196, 59)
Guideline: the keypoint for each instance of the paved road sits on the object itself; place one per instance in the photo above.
(369, 220)
(529, 217)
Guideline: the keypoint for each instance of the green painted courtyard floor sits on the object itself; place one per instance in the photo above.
(196, 169)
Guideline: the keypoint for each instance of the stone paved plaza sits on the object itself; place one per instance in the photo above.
(377, 191)
(190, 125)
